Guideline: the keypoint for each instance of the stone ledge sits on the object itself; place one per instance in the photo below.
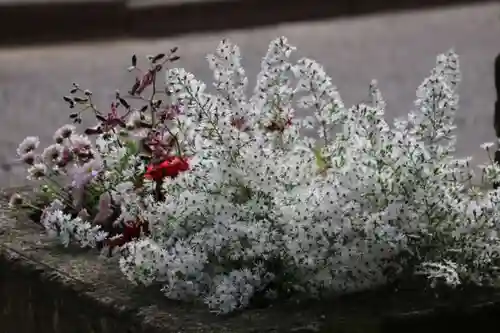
(50, 289)
(47, 288)
(41, 21)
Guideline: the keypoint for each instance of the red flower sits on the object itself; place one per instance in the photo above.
(170, 167)
(131, 231)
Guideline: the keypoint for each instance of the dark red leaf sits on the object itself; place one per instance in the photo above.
(80, 99)
(93, 130)
(124, 103)
(158, 57)
(100, 118)
(145, 125)
(136, 85)
(117, 122)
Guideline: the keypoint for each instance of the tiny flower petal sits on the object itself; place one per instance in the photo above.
(37, 171)
(487, 145)
(29, 158)
(64, 132)
(52, 154)
(16, 200)
(28, 145)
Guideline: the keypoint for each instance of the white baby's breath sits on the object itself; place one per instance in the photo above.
(68, 229)
(15, 201)
(335, 217)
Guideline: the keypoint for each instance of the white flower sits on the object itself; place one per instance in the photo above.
(16, 200)
(487, 145)
(52, 154)
(29, 158)
(80, 142)
(64, 132)
(68, 229)
(82, 175)
(37, 171)
(446, 272)
(28, 145)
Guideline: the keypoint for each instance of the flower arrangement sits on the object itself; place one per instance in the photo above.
(220, 197)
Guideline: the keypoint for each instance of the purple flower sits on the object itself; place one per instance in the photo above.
(82, 175)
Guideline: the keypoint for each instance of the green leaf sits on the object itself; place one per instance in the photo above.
(320, 160)
(132, 147)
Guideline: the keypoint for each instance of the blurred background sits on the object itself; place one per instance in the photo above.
(45, 45)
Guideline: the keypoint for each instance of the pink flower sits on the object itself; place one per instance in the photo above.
(82, 175)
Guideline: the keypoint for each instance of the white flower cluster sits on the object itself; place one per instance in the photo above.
(264, 210)
(67, 229)
(120, 163)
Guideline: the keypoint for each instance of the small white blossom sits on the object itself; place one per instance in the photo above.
(29, 158)
(15, 201)
(37, 171)
(64, 132)
(446, 272)
(487, 145)
(52, 154)
(67, 229)
(28, 145)
(82, 175)
(79, 142)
